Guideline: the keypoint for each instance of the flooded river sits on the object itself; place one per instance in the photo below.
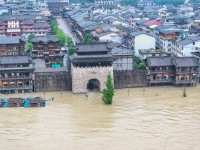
(156, 118)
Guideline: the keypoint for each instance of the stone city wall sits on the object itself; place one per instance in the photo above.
(58, 81)
(125, 79)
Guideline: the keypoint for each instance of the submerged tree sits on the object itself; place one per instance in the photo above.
(108, 92)
(184, 92)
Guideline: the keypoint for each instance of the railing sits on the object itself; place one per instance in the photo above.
(16, 87)
(16, 77)
(186, 81)
(17, 68)
(161, 80)
(50, 45)
(160, 71)
(187, 71)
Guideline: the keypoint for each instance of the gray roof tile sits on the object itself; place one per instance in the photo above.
(15, 59)
(10, 40)
(185, 62)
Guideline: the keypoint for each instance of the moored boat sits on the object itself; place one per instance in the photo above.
(23, 102)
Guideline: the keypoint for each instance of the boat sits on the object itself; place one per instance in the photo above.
(24, 102)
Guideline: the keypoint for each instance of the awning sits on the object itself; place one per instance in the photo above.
(5, 82)
(12, 82)
(19, 82)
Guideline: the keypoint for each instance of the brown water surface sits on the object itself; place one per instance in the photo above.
(156, 118)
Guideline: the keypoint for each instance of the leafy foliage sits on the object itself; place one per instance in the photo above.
(70, 45)
(184, 92)
(29, 47)
(87, 38)
(63, 39)
(108, 92)
(30, 37)
(138, 64)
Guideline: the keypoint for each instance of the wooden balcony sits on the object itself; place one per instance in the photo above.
(16, 77)
(51, 45)
(186, 72)
(16, 87)
(160, 71)
(161, 81)
(190, 81)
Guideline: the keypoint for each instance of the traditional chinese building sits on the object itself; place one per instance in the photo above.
(55, 6)
(186, 70)
(12, 45)
(24, 25)
(91, 63)
(16, 74)
(47, 48)
(177, 70)
(160, 70)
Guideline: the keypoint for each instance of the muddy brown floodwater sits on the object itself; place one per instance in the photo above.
(158, 118)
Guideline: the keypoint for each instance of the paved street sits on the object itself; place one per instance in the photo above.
(63, 25)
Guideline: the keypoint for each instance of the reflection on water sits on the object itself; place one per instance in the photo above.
(154, 118)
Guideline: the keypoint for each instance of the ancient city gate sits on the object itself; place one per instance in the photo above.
(81, 76)
(90, 61)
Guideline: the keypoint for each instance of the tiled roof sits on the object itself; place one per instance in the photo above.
(188, 40)
(93, 58)
(139, 33)
(197, 54)
(185, 62)
(165, 27)
(46, 39)
(10, 40)
(92, 47)
(15, 59)
(159, 61)
(136, 33)
(84, 24)
(153, 22)
(40, 25)
(62, 69)
(142, 21)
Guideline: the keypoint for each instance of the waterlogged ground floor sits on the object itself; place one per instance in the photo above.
(140, 118)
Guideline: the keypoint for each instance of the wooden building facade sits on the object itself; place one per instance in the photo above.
(16, 74)
(177, 71)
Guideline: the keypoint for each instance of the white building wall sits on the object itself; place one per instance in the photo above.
(185, 51)
(144, 41)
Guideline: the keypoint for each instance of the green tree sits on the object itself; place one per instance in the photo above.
(108, 92)
(184, 92)
(30, 37)
(63, 39)
(29, 47)
(137, 59)
(54, 25)
(142, 66)
(138, 64)
(87, 38)
(70, 45)
(70, 50)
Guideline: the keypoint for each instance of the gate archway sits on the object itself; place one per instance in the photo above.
(81, 77)
(93, 84)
